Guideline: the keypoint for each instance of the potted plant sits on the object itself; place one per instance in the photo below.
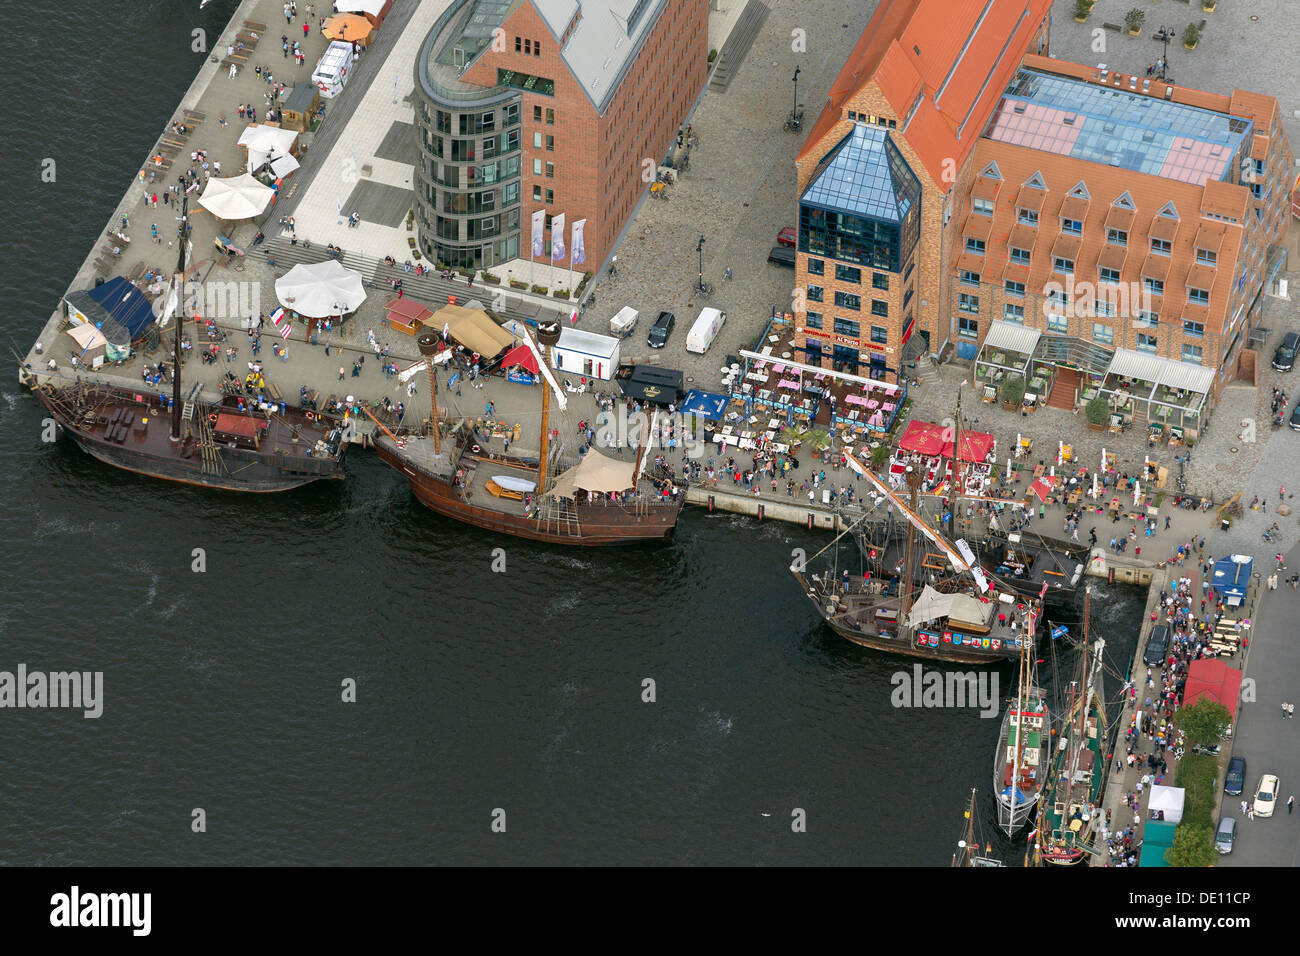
(1097, 410)
(540, 289)
(879, 457)
(1134, 20)
(1209, 5)
(1191, 36)
(1012, 393)
(1081, 10)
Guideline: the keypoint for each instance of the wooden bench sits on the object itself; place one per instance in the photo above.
(255, 26)
(169, 149)
(194, 117)
(1114, 27)
(137, 272)
(272, 391)
(152, 166)
(238, 56)
(102, 267)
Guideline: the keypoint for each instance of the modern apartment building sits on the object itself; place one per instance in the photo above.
(554, 105)
(1090, 231)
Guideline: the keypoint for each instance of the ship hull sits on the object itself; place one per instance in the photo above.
(153, 455)
(598, 525)
(952, 653)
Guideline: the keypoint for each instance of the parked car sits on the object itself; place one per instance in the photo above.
(1157, 646)
(1266, 795)
(782, 256)
(1284, 357)
(1226, 835)
(660, 331)
(1295, 419)
(788, 237)
(1235, 782)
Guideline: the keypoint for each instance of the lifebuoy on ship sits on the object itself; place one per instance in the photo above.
(475, 449)
(213, 418)
(311, 417)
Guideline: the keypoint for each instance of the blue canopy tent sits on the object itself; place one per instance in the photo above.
(117, 308)
(1231, 577)
(708, 405)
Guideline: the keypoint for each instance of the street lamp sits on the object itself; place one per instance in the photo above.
(1163, 36)
(794, 109)
(699, 248)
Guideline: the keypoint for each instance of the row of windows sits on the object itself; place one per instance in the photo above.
(1102, 334)
(528, 47)
(550, 115)
(873, 119)
(847, 300)
(847, 327)
(849, 274)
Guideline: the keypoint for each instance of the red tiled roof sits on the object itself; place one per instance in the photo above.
(959, 53)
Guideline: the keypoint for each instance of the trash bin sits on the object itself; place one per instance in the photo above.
(1225, 524)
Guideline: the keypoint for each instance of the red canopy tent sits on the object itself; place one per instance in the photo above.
(1213, 679)
(924, 438)
(975, 447)
(521, 356)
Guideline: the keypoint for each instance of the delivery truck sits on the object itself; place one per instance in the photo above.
(334, 68)
(705, 330)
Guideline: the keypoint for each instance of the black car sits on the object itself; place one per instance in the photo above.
(1236, 779)
(1284, 357)
(782, 256)
(1157, 646)
(660, 331)
(1295, 419)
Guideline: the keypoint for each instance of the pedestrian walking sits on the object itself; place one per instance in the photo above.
(341, 373)
(1290, 803)
(1250, 812)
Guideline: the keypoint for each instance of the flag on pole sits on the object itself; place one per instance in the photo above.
(538, 244)
(579, 247)
(281, 323)
(558, 252)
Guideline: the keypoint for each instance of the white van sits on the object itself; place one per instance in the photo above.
(705, 329)
(334, 68)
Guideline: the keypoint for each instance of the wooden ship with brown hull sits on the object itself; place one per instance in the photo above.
(598, 501)
(222, 445)
(940, 606)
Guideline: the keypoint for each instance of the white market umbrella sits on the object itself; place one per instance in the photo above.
(240, 197)
(320, 289)
(266, 143)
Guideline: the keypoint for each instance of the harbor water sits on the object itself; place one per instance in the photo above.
(518, 688)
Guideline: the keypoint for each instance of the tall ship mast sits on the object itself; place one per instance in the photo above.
(1071, 807)
(597, 500)
(937, 604)
(229, 444)
(1020, 766)
(968, 847)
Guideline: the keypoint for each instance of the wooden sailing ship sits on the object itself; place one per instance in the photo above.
(229, 445)
(600, 500)
(1070, 809)
(940, 606)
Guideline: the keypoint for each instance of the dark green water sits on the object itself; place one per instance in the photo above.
(476, 690)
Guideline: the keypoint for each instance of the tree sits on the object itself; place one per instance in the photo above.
(879, 457)
(1134, 19)
(1013, 390)
(1193, 846)
(1082, 8)
(1097, 410)
(1191, 36)
(1204, 721)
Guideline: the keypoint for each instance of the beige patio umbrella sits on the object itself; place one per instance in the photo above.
(240, 197)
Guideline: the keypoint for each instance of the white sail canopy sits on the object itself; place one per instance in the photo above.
(932, 605)
(595, 473)
(321, 288)
(240, 197)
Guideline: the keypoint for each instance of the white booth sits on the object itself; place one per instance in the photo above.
(585, 353)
